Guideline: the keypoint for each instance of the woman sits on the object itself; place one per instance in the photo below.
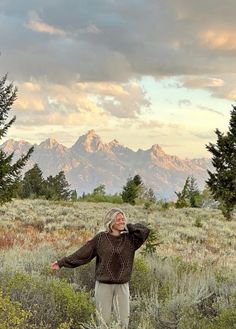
(114, 250)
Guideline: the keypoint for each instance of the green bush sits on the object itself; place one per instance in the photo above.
(227, 317)
(12, 316)
(140, 280)
(192, 318)
(116, 198)
(51, 301)
(198, 222)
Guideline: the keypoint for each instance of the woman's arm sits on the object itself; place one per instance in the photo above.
(80, 257)
(139, 234)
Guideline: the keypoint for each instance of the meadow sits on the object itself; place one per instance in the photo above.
(188, 282)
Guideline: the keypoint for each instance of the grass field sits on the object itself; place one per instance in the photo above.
(188, 282)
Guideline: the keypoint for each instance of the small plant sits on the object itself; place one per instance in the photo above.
(198, 222)
(152, 242)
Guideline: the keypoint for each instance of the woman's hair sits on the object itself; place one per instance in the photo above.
(111, 216)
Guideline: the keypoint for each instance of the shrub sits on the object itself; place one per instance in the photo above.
(226, 317)
(11, 314)
(140, 280)
(152, 242)
(198, 222)
(116, 198)
(51, 301)
(191, 316)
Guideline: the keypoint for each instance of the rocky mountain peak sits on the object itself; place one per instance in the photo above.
(15, 146)
(49, 143)
(157, 151)
(52, 144)
(90, 142)
(114, 143)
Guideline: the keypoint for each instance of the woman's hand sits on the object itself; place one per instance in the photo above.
(55, 266)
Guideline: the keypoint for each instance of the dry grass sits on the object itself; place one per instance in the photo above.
(31, 223)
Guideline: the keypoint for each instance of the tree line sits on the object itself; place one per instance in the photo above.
(221, 183)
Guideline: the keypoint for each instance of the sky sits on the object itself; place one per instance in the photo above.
(141, 72)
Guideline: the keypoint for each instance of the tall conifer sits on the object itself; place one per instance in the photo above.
(9, 172)
(222, 182)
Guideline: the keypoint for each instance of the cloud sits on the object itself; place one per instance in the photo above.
(128, 104)
(220, 87)
(41, 103)
(184, 102)
(219, 39)
(207, 109)
(110, 41)
(36, 24)
(202, 135)
(202, 82)
(156, 124)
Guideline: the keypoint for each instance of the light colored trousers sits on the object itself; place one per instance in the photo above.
(111, 297)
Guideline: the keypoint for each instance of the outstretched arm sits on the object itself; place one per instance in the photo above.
(82, 256)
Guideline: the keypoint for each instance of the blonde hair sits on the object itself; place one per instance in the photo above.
(111, 216)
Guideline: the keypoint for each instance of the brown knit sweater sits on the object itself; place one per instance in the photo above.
(114, 254)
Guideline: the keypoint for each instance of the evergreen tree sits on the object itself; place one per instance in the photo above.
(152, 242)
(194, 193)
(130, 191)
(150, 195)
(183, 196)
(100, 190)
(190, 195)
(9, 172)
(222, 182)
(33, 184)
(57, 187)
(138, 180)
(74, 196)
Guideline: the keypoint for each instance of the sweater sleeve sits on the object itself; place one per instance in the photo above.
(139, 234)
(80, 257)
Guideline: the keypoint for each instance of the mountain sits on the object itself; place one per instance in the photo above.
(91, 162)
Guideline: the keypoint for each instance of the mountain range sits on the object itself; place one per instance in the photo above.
(91, 162)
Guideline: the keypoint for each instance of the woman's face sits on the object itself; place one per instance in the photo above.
(119, 223)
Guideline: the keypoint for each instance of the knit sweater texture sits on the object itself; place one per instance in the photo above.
(114, 254)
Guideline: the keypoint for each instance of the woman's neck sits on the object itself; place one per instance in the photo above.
(115, 232)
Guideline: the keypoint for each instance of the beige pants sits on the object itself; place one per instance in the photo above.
(111, 297)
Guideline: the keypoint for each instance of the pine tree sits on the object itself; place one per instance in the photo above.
(137, 180)
(190, 195)
(130, 191)
(222, 182)
(33, 184)
(100, 190)
(74, 196)
(194, 193)
(9, 172)
(57, 187)
(183, 196)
